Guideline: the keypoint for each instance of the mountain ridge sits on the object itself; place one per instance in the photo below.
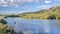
(43, 14)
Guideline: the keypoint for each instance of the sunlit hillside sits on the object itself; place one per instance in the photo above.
(4, 28)
(51, 13)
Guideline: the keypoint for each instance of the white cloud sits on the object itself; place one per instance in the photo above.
(2, 0)
(47, 1)
(57, 0)
(4, 5)
(44, 6)
(11, 0)
(17, 6)
(14, 2)
(10, 12)
(27, 0)
(37, 1)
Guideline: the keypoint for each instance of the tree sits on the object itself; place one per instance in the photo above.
(52, 17)
(58, 18)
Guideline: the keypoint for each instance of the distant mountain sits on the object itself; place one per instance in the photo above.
(51, 13)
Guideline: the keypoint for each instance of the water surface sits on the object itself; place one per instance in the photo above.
(34, 26)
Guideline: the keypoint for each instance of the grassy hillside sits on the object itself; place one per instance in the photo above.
(51, 13)
(4, 28)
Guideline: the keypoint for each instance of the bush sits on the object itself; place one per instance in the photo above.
(52, 17)
(3, 21)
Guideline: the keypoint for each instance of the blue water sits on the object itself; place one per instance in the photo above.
(33, 26)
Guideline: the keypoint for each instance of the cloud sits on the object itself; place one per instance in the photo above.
(10, 12)
(4, 5)
(47, 1)
(17, 6)
(15, 2)
(27, 0)
(2, 0)
(57, 0)
(36, 0)
(44, 7)
(11, 0)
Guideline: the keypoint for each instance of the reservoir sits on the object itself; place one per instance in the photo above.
(34, 26)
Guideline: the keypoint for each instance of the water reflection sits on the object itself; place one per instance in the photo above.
(33, 26)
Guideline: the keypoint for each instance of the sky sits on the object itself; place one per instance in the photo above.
(19, 6)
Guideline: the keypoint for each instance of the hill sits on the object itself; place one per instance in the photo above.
(51, 13)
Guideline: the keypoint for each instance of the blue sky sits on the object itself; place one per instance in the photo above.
(13, 6)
